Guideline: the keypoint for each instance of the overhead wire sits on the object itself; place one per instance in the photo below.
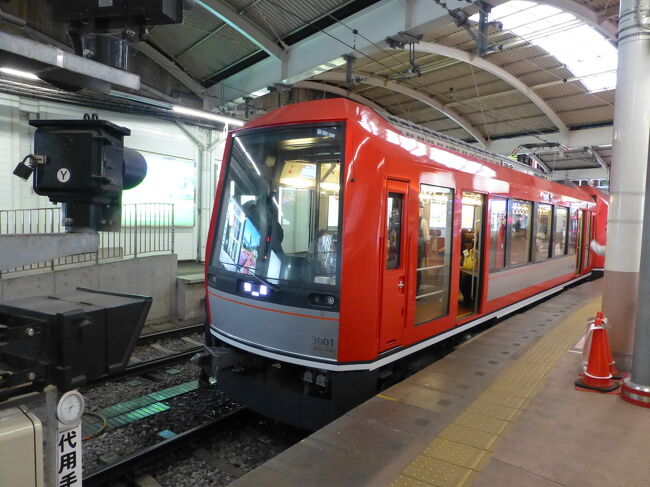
(538, 133)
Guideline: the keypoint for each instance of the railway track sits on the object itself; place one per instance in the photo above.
(170, 333)
(147, 366)
(134, 464)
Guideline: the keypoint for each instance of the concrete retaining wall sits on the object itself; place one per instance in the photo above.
(153, 276)
(190, 298)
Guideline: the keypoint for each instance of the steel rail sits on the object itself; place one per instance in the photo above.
(146, 366)
(136, 461)
(171, 333)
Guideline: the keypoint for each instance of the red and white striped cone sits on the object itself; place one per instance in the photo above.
(596, 376)
(616, 375)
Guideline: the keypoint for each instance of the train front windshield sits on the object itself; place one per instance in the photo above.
(280, 214)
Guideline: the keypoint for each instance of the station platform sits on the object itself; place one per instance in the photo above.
(500, 410)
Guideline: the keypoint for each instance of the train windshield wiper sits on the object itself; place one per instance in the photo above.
(264, 281)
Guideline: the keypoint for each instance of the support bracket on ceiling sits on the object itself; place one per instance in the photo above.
(405, 40)
(461, 19)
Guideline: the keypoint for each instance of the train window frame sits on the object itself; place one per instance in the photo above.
(532, 254)
(391, 212)
(566, 235)
(290, 284)
(448, 257)
(574, 212)
(534, 257)
(506, 242)
(509, 264)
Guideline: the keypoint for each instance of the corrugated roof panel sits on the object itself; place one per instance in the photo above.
(558, 90)
(371, 91)
(427, 114)
(515, 100)
(442, 124)
(537, 125)
(210, 56)
(508, 114)
(588, 116)
(174, 39)
(201, 20)
(581, 101)
(281, 17)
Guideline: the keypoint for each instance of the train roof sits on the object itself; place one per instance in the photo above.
(332, 109)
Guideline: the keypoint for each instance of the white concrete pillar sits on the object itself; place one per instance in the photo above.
(628, 176)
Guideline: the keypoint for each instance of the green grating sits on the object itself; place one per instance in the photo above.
(136, 414)
(135, 409)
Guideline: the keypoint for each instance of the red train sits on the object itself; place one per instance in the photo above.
(343, 244)
(599, 230)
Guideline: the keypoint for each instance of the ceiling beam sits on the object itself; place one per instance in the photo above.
(482, 63)
(243, 26)
(598, 136)
(410, 92)
(171, 67)
(337, 90)
(589, 173)
(324, 50)
(594, 153)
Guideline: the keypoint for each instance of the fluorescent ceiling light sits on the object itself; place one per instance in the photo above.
(260, 92)
(207, 115)
(584, 51)
(19, 74)
(140, 99)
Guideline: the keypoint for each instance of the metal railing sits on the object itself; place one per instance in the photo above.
(147, 228)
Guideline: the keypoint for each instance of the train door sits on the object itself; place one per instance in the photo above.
(580, 242)
(471, 243)
(393, 297)
(586, 253)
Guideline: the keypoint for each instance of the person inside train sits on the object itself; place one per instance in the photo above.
(468, 269)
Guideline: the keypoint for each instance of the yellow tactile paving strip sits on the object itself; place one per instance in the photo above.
(462, 449)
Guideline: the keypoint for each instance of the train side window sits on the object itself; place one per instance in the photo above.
(560, 231)
(434, 253)
(498, 221)
(573, 232)
(543, 231)
(393, 230)
(520, 231)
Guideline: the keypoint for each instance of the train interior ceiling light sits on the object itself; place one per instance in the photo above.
(584, 51)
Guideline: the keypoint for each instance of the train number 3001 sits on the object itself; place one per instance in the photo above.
(322, 343)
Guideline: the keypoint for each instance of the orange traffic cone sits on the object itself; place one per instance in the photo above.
(597, 376)
(616, 375)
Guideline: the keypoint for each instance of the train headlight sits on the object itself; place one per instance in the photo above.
(257, 290)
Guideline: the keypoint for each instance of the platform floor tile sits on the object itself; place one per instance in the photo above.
(455, 453)
(436, 472)
(499, 474)
(481, 426)
(574, 438)
(329, 465)
(407, 419)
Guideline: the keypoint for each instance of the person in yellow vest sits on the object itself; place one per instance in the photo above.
(467, 264)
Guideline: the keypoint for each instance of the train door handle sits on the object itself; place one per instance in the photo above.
(401, 285)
